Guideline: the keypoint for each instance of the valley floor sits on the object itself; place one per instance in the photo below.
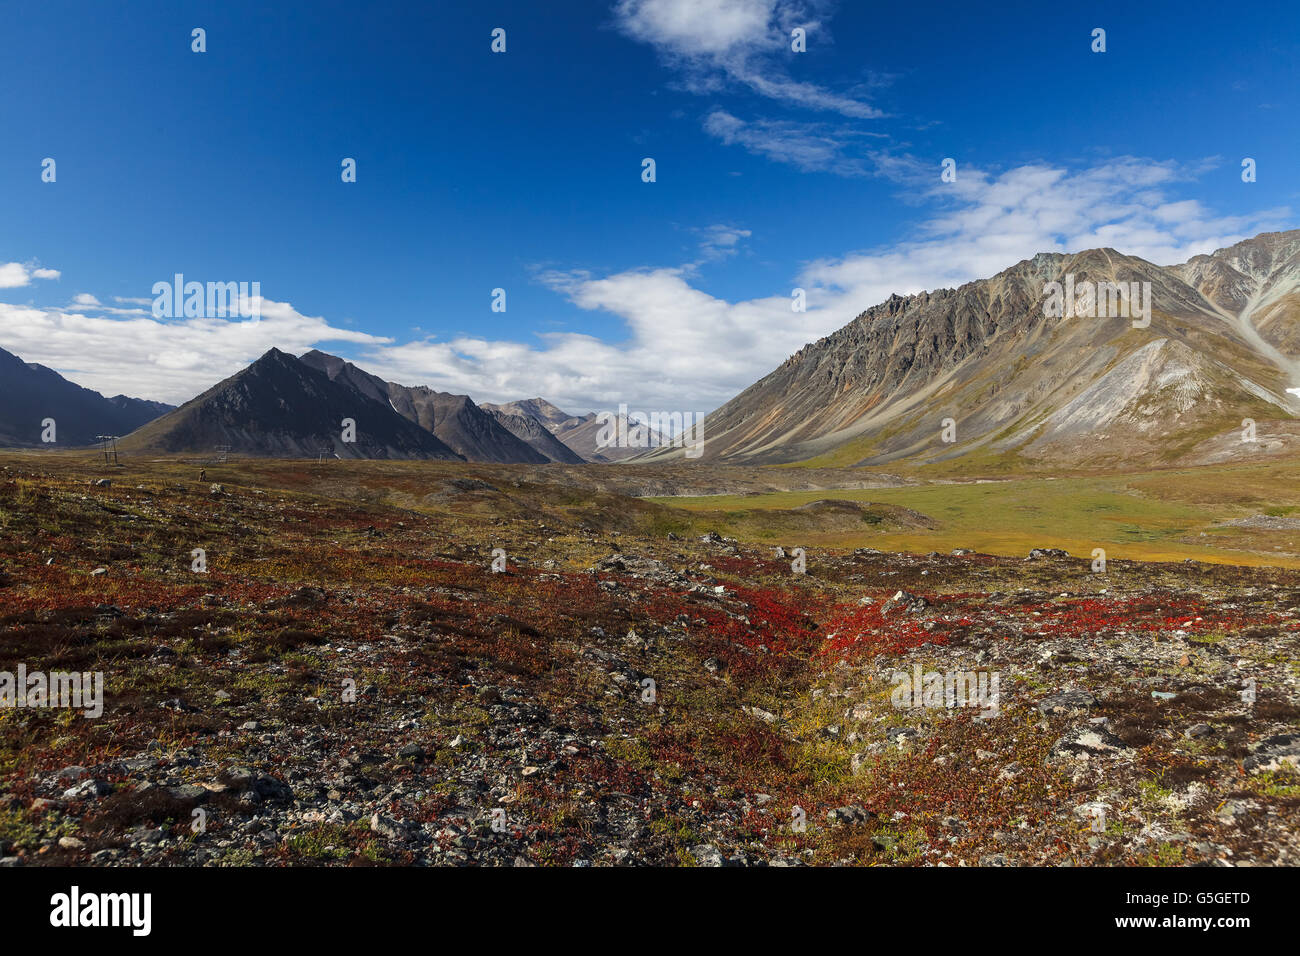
(647, 682)
(1232, 514)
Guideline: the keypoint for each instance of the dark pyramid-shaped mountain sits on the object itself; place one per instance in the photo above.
(283, 408)
(454, 419)
(30, 393)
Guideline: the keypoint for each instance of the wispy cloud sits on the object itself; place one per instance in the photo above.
(716, 47)
(986, 221)
(720, 241)
(85, 302)
(714, 44)
(812, 147)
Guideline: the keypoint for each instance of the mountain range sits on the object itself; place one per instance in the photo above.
(291, 407)
(1171, 371)
(535, 429)
(31, 393)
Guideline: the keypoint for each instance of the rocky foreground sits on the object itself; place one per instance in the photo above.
(351, 682)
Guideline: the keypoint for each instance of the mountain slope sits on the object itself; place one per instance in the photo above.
(30, 393)
(281, 407)
(464, 427)
(1220, 347)
(532, 432)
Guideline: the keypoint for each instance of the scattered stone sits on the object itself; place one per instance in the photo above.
(905, 601)
(189, 793)
(1068, 702)
(901, 735)
(68, 775)
(1275, 753)
(387, 827)
(1038, 553)
(1088, 743)
(706, 854)
(88, 790)
(848, 815)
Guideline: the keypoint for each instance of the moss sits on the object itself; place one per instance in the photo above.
(323, 843)
(26, 829)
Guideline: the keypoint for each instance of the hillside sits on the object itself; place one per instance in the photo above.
(31, 393)
(532, 432)
(464, 427)
(1021, 386)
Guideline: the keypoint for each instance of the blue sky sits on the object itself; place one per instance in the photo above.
(522, 170)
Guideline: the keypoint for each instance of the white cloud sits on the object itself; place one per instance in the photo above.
(699, 27)
(127, 351)
(85, 302)
(716, 43)
(991, 221)
(15, 275)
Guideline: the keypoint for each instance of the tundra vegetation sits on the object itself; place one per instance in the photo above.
(349, 682)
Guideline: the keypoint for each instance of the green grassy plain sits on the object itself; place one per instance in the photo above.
(1162, 515)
